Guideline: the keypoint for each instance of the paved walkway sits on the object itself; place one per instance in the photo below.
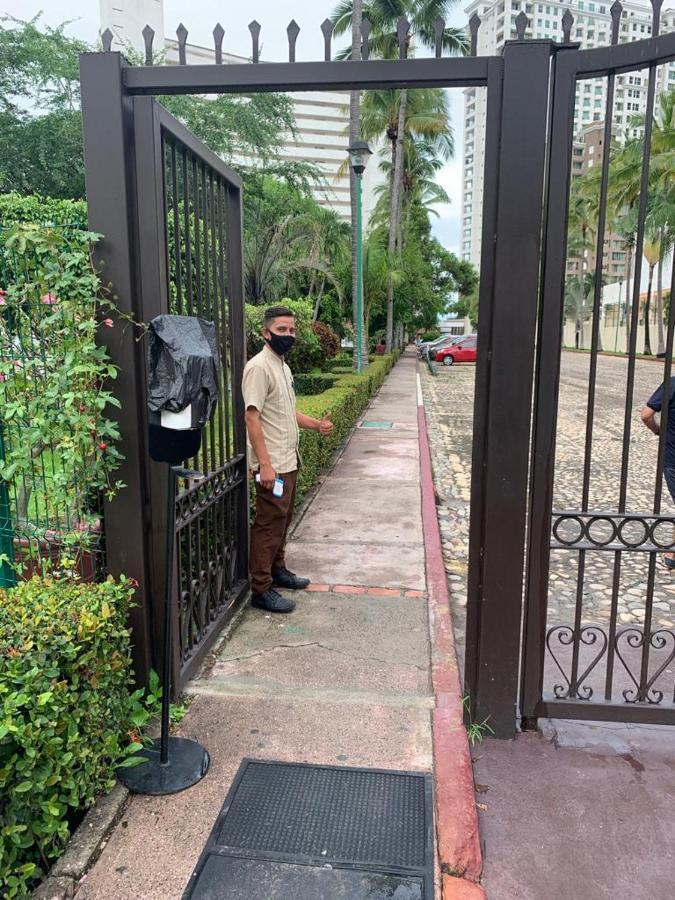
(345, 679)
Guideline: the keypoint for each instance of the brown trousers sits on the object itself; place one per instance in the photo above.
(273, 517)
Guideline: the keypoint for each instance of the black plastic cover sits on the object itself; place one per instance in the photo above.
(183, 366)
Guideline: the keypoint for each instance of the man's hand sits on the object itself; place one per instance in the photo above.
(326, 425)
(649, 419)
(267, 477)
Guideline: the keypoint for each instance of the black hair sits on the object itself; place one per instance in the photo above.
(276, 312)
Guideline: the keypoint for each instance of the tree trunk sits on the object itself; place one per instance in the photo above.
(394, 212)
(648, 347)
(354, 130)
(660, 338)
(389, 333)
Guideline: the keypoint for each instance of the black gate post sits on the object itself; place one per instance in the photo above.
(503, 411)
(235, 266)
(108, 152)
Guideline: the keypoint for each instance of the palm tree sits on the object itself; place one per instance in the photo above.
(651, 251)
(383, 16)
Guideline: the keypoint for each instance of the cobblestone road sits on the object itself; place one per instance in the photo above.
(449, 410)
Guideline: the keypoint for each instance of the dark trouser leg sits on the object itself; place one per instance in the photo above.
(268, 533)
(290, 485)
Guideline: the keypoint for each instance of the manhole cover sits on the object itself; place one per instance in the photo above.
(369, 423)
(303, 832)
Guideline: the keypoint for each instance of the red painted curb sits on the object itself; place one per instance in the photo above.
(456, 818)
(461, 889)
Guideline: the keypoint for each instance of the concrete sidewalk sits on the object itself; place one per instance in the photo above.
(346, 679)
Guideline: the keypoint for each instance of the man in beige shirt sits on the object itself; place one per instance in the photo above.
(272, 424)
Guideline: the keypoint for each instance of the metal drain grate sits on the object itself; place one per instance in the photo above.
(371, 423)
(294, 831)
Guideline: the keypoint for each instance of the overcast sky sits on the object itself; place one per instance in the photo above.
(199, 18)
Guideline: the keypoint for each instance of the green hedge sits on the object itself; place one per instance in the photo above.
(312, 383)
(65, 704)
(346, 401)
(342, 360)
(342, 370)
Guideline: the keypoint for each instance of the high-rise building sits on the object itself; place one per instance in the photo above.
(321, 119)
(592, 28)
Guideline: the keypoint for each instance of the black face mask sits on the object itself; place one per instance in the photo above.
(281, 343)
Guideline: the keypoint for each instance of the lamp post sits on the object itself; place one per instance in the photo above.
(359, 151)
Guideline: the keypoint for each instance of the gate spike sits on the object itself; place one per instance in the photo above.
(292, 31)
(106, 40)
(567, 23)
(522, 23)
(402, 30)
(656, 18)
(365, 34)
(615, 11)
(327, 28)
(254, 28)
(148, 37)
(218, 35)
(181, 34)
(439, 31)
(474, 25)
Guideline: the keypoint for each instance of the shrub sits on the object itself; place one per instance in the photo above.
(342, 370)
(310, 383)
(307, 353)
(343, 360)
(346, 400)
(65, 673)
(328, 340)
(19, 208)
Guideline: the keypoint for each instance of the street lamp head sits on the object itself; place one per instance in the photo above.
(359, 151)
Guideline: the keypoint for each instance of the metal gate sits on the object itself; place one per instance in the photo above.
(595, 657)
(180, 250)
(530, 91)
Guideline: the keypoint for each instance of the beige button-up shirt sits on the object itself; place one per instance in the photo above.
(268, 386)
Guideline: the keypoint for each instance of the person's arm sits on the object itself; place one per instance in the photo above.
(323, 426)
(255, 388)
(648, 416)
(257, 439)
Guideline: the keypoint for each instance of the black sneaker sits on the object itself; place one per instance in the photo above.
(272, 601)
(285, 579)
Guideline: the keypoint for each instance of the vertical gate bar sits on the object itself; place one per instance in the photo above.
(517, 248)
(235, 270)
(106, 114)
(547, 383)
(176, 229)
(630, 387)
(592, 375)
(187, 233)
(153, 252)
(483, 371)
(197, 210)
(213, 315)
(223, 453)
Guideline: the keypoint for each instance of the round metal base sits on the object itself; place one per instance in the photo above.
(188, 763)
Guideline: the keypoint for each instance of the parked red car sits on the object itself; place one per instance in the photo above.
(461, 351)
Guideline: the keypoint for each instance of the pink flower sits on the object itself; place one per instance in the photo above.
(3, 302)
(49, 299)
(108, 323)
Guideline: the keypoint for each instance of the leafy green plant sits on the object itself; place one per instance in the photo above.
(58, 441)
(346, 400)
(475, 731)
(311, 383)
(68, 716)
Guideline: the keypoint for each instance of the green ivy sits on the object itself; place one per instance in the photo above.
(68, 716)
